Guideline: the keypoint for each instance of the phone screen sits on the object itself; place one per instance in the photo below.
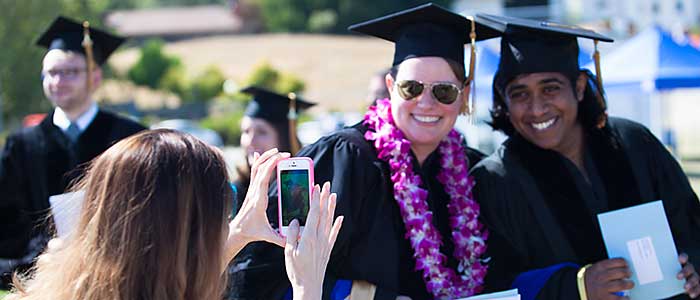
(295, 195)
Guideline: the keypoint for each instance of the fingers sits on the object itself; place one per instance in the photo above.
(335, 230)
(253, 168)
(692, 286)
(292, 238)
(330, 211)
(683, 258)
(613, 263)
(618, 285)
(264, 168)
(324, 222)
(692, 280)
(616, 274)
(312, 219)
(687, 271)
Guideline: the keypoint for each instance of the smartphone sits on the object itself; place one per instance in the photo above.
(295, 181)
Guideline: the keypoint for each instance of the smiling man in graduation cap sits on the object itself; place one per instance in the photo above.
(42, 161)
(565, 162)
(397, 172)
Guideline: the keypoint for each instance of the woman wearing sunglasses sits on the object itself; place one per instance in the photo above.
(410, 227)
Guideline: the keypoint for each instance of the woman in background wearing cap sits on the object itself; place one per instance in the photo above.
(265, 125)
(410, 226)
(565, 161)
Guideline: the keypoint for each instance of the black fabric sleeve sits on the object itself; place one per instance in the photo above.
(14, 221)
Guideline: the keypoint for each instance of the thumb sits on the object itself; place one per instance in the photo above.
(292, 236)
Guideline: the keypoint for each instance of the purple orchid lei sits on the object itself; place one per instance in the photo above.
(468, 234)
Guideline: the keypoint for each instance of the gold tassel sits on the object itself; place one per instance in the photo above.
(89, 56)
(470, 108)
(596, 59)
(292, 116)
(599, 82)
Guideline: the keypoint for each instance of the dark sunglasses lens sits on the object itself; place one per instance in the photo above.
(409, 89)
(445, 93)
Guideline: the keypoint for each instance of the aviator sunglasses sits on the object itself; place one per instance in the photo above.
(443, 92)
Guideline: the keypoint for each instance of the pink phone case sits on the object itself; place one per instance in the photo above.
(279, 188)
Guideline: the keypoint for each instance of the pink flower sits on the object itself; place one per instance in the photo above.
(467, 235)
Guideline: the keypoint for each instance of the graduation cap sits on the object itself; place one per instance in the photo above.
(429, 30)
(531, 46)
(426, 30)
(276, 108)
(70, 35)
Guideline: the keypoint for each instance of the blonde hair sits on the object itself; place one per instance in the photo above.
(152, 226)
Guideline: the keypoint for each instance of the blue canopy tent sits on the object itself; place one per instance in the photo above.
(653, 57)
(640, 73)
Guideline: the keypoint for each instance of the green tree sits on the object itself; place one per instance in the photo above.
(207, 85)
(328, 15)
(152, 65)
(264, 75)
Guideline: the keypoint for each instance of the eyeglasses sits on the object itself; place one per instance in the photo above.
(69, 73)
(444, 92)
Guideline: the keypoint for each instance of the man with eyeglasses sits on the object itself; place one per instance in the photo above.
(42, 161)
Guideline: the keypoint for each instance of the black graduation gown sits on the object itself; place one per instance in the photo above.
(371, 245)
(40, 161)
(524, 233)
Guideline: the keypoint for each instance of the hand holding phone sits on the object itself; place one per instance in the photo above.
(295, 181)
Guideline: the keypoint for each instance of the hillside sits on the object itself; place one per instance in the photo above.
(336, 69)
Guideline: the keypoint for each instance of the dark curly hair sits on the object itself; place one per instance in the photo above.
(591, 111)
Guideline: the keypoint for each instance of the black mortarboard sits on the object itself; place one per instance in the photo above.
(426, 30)
(67, 34)
(531, 46)
(271, 106)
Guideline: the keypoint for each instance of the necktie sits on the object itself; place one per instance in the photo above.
(73, 132)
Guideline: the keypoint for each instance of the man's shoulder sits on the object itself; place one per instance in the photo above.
(119, 122)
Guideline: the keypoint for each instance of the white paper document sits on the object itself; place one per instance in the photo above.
(641, 235)
(66, 209)
(504, 295)
(644, 260)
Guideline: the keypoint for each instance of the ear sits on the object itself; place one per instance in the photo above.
(96, 78)
(581, 82)
(389, 81)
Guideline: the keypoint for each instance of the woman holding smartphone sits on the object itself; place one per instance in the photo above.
(411, 226)
(154, 226)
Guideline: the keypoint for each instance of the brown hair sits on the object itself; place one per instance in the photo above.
(152, 225)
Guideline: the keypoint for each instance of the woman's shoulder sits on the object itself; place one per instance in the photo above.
(493, 165)
(349, 140)
(631, 132)
(474, 156)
